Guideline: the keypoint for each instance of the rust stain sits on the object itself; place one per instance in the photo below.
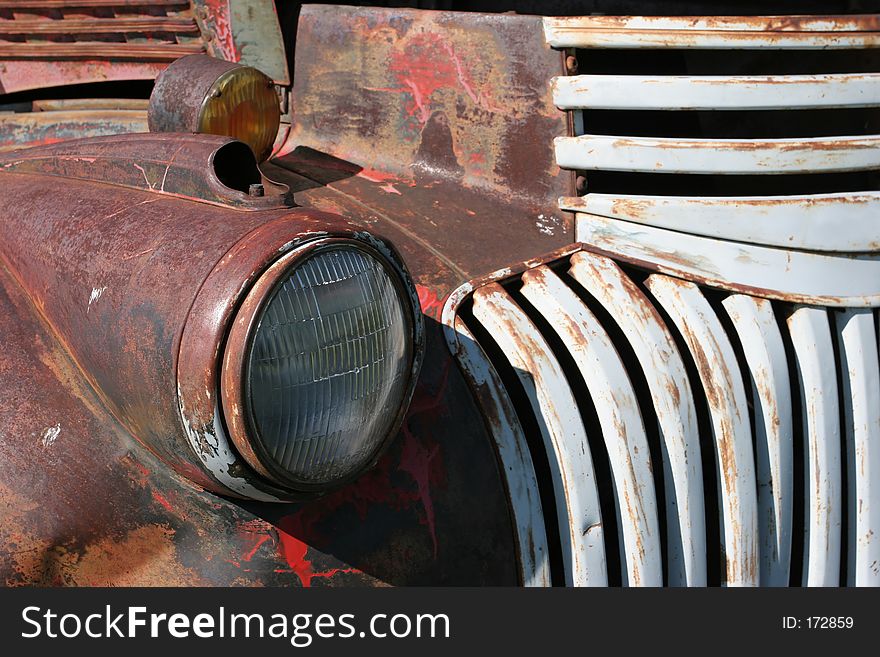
(145, 556)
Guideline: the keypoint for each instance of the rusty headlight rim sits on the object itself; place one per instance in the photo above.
(234, 385)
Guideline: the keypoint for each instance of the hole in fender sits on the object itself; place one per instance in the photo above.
(236, 167)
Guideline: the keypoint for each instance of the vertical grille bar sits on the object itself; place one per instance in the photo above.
(755, 324)
(857, 339)
(593, 353)
(621, 422)
(565, 439)
(725, 394)
(817, 376)
(672, 399)
(517, 467)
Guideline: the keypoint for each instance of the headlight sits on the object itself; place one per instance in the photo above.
(201, 94)
(318, 365)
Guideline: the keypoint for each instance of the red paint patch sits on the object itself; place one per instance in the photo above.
(373, 175)
(254, 533)
(431, 304)
(223, 41)
(427, 64)
(162, 501)
(295, 552)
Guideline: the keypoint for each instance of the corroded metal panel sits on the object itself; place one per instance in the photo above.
(26, 129)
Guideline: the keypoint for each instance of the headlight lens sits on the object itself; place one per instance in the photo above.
(201, 94)
(327, 366)
(242, 104)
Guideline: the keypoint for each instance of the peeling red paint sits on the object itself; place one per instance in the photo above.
(376, 176)
(247, 556)
(416, 460)
(429, 301)
(428, 64)
(295, 552)
(223, 44)
(163, 501)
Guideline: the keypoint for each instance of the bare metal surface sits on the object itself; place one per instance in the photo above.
(621, 422)
(755, 325)
(860, 396)
(565, 438)
(817, 378)
(726, 398)
(27, 129)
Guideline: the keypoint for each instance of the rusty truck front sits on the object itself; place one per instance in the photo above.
(637, 257)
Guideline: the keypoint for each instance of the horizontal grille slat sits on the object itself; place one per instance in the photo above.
(818, 278)
(740, 92)
(809, 221)
(95, 50)
(31, 5)
(98, 26)
(718, 156)
(110, 31)
(740, 142)
(788, 32)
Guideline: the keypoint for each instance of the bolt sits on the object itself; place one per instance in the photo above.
(256, 189)
(571, 64)
(580, 184)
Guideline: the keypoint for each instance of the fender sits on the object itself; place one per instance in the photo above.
(99, 482)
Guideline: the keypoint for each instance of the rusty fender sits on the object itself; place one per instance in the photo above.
(110, 472)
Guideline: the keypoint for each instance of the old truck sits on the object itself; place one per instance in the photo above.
(576, 294)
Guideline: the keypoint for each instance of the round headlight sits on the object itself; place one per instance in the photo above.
(201, 94)
(320, 357)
